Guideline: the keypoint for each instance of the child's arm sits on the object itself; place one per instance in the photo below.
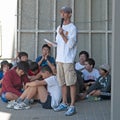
(35, 83)
(36, 77)
(52, 66)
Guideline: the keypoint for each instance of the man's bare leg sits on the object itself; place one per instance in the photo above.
(73, 94)
(64, 94)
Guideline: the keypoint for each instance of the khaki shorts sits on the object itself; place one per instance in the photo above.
(66, 74)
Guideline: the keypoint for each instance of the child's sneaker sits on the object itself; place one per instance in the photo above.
(93, 98)
(21, 106)
(70, 111)
(31, 101)
(11, 104)
(61, 107)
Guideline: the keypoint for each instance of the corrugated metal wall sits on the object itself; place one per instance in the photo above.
(38, 19)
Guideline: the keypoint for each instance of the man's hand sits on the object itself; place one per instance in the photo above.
(61, 31)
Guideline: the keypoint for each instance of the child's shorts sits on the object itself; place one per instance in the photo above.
(47, 104)
(3, 97)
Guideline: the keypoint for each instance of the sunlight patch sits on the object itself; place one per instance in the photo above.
(5, 116)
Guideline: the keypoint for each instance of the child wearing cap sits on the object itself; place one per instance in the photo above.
(14, 81)
(102, 87)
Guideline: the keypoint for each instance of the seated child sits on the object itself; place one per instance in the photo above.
(102, 87)
(46, 59)
(3, 70)
(21, 56)
(33, 71)
(14, 81)
(79, 66)
(49, 98)
(90, 74)
(83, 56)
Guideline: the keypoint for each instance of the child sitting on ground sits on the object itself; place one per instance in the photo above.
(33, 71)
(90, 74)
(102, 87)
(46, 58)
(14, 81)
(49, 98)
(3, 70)
(83, 56)
(79, 66)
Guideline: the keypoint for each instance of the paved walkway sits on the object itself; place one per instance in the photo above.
(86, 110)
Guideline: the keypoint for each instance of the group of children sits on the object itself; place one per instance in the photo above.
(93, 82)
(26, 80)
(31, 80)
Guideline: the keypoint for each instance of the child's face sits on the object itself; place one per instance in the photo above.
(45, 74)
(88, 66)
(45, 51)
(102, 72)
(82, 58)
(24, 58)
(20, 72)
(5, 68)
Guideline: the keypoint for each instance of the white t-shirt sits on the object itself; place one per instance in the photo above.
(66, 52)
(90, 75)
(78, 66)
(55, 90)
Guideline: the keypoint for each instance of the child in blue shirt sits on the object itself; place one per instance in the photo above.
(3, 70)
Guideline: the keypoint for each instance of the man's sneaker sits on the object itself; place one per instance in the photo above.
(11, 104)
(71, 111)
(21, 106)
(61, 107)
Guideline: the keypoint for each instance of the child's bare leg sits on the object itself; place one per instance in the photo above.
(96, 93)
(11, 96)
(29, 93)
(42, 94)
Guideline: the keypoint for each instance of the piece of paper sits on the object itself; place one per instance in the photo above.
(54, 44)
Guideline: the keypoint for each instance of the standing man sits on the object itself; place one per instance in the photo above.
(66, 52)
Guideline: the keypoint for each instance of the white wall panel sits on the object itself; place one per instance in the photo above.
(82, 14)
(28, 44)
(92, 18)
(28, 14)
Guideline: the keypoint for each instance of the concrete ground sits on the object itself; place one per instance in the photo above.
(86, 110)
